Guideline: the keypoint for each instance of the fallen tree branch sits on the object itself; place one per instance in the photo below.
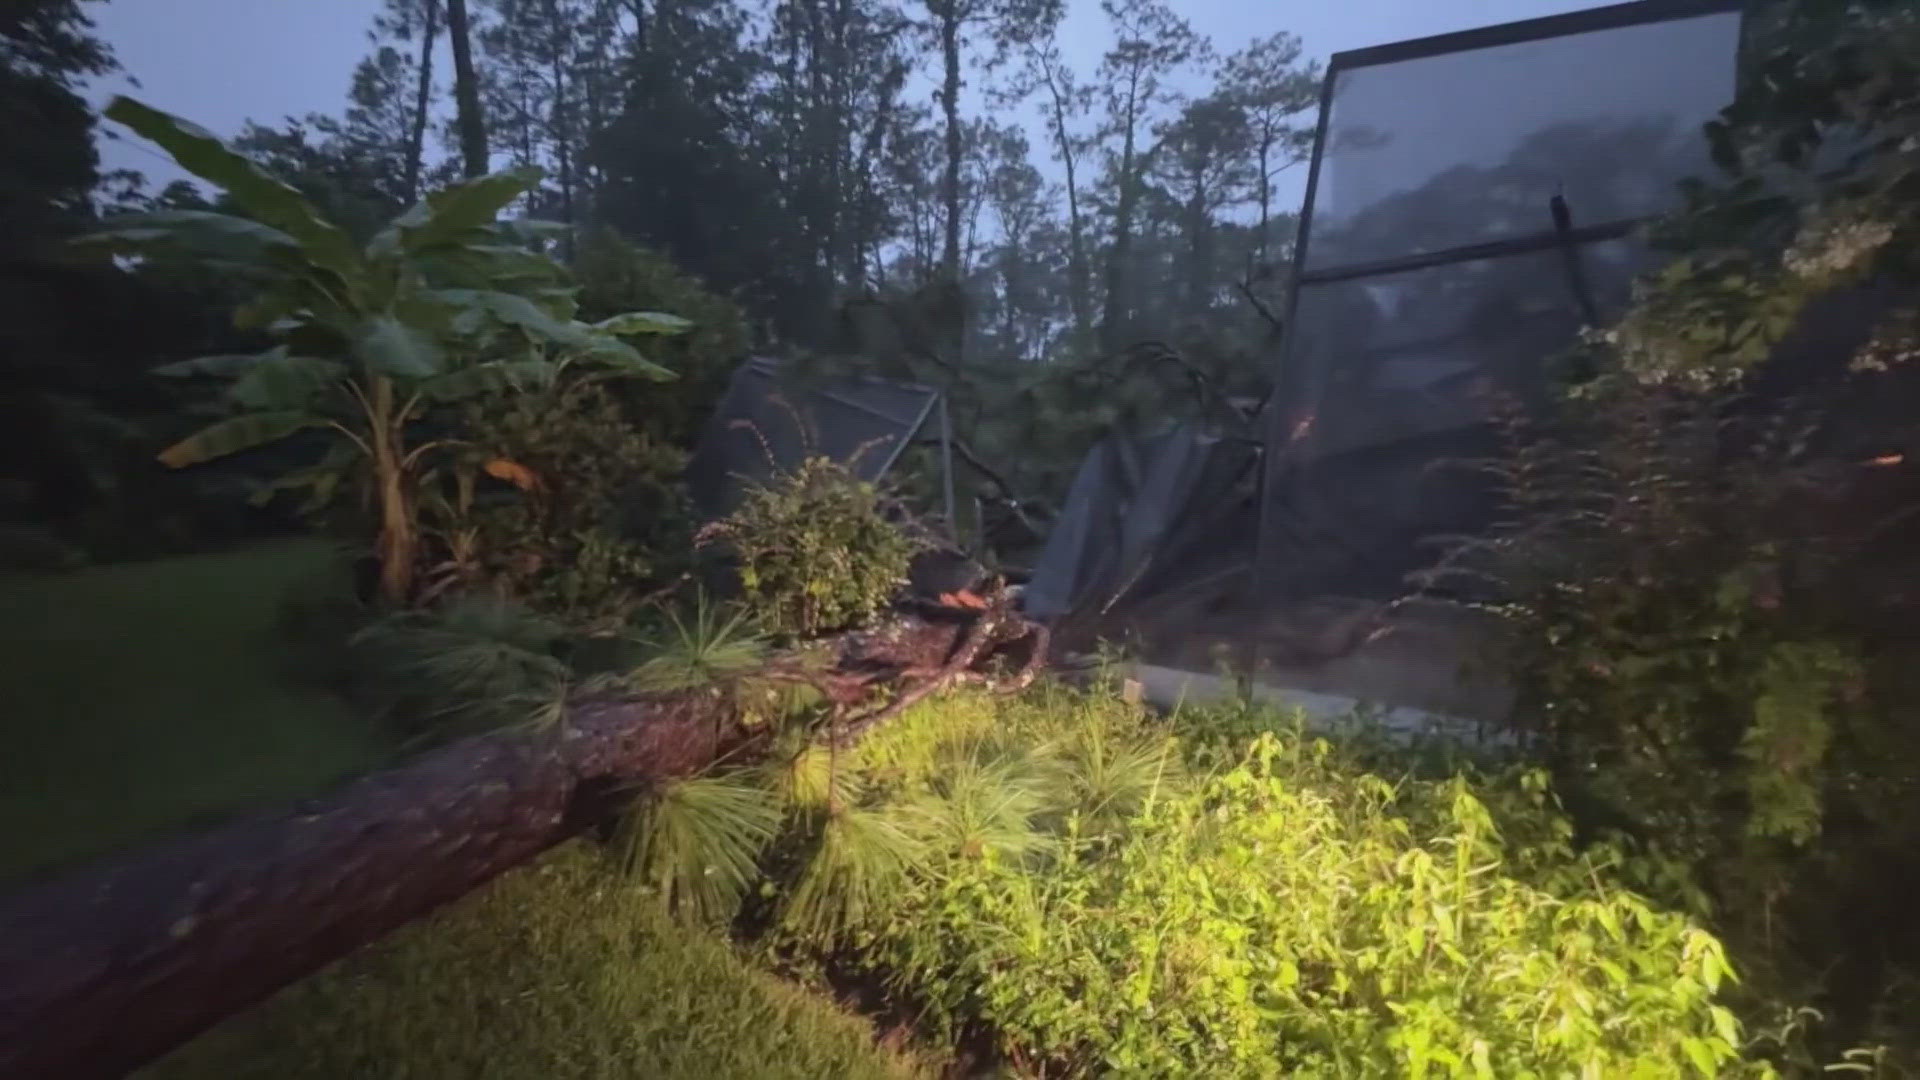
(110, 967)
(1275, 324)
(105, 969)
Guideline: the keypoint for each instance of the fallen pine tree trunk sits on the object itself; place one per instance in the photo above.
(108, 968)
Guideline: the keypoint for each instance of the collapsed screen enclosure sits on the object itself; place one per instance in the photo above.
(1472, 205)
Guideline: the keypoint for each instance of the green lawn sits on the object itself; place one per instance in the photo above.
(140, 698)
(554, 971)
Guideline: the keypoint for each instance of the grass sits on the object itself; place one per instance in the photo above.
(556, 970)
(140, 698)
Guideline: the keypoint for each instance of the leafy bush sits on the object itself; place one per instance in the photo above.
(1228, 898)
(1649, 573)
(585, 518)
(815, 548)
(1289, 914)
(1704, 576)
(617, 276)
(549, 972)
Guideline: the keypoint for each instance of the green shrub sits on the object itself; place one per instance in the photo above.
(617, 276)
(580, 512)
(1289, 914)
(551, 971)
(815, 549)
(1225, 898)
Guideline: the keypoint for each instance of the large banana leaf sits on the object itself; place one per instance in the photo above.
(497, 376)
(520, 313)
(202, 234)
(275, 203)
(281, 382)
(221, 367)
(389, 346)
(235, 435)
(643, 322)
(448, 215)
(616, 355)
(488, 265)
(320, 482)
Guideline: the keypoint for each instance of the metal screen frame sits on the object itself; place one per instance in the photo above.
(932, 407)
(1613, 17)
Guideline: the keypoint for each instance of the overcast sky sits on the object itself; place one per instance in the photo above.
(223, 62)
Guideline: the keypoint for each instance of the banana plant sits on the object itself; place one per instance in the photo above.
(446, 303)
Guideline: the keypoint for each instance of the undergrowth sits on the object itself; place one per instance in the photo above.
(1108, 894)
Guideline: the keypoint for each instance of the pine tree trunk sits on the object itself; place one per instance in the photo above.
(466, 92)
(1079, 276)
(950, 105)
(110, 967)
(639, 9)
(1199, 247)
(563, 150)
(1114, 318)
(1266, 195)
(422, 102)
(105, 970)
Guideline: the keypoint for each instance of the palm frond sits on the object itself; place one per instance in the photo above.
(697, 841)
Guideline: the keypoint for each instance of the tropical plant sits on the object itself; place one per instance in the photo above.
(442, 305)
(815, 548)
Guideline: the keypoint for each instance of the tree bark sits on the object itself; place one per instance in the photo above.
(1118, 308)
(949, 14)
(1079, 275)
(108, 968)
(422, 100)
(466, 92)
(561, 123)
(1199, 215)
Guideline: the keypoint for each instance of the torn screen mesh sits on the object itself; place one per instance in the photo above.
(1467, 147)
(1393, 381)
(768, 423)
(1401, 343)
